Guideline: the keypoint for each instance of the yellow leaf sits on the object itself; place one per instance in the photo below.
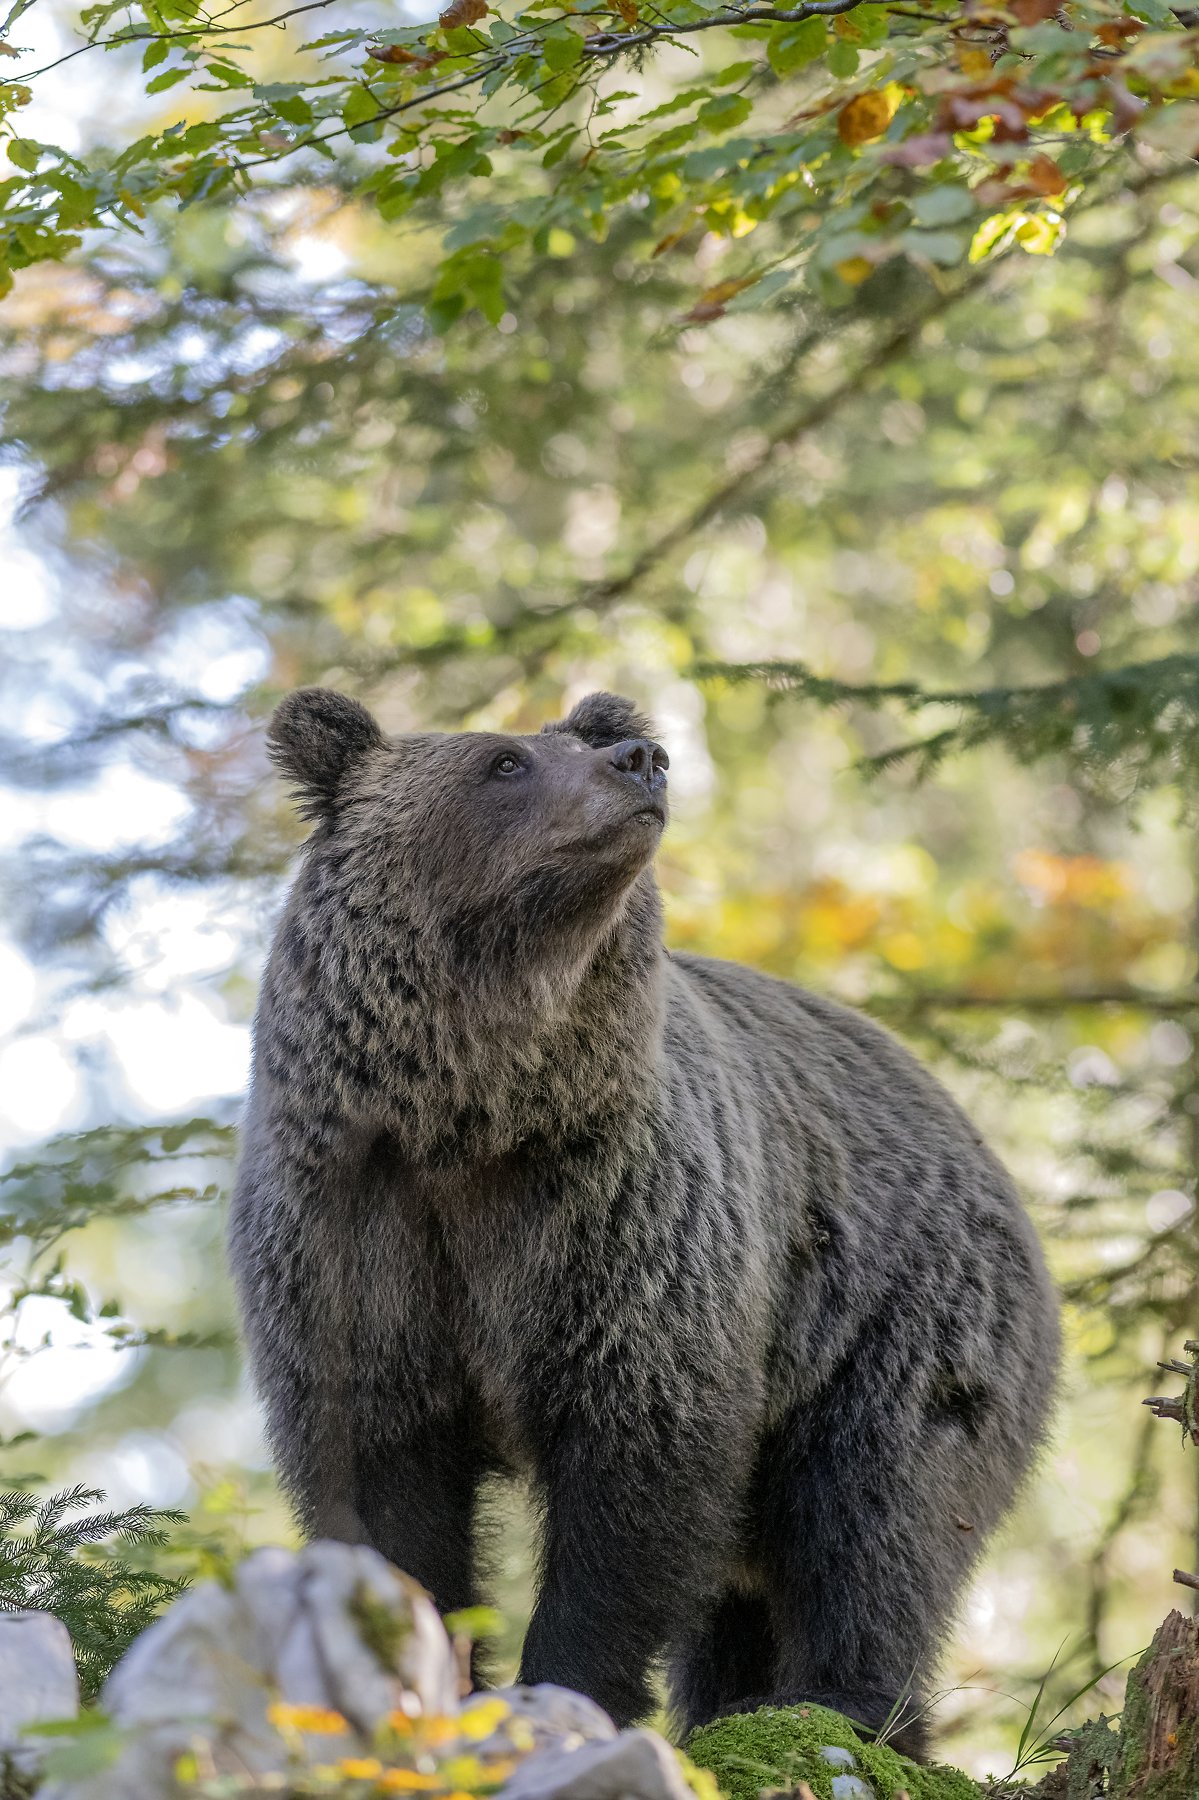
(711, 302)
(866, 116)
(724, 290)
(855, 270)
(439, 1729)
(360, 1768)
(480, 1721)
(1041, 233)
(973, 61)
(321, 1721)
(670, 240)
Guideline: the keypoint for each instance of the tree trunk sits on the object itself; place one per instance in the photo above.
(1159, 1747)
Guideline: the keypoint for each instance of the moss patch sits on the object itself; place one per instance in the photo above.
(779, 1746)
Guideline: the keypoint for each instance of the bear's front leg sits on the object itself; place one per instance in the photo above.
(291, 1244)
(639, 1522)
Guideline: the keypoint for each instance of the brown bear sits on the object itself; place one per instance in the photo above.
(713, 1263)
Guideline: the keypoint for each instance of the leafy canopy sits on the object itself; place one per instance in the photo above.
(831, 136)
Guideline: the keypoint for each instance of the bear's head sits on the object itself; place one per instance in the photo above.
(501, 846)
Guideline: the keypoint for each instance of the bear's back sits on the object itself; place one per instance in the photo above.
(814, 1066)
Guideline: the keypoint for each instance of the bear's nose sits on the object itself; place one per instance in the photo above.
(640, 757)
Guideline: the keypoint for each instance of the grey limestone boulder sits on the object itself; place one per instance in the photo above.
(636, 1764)
(331, 1626)
(542, 1718)
(37, 1684)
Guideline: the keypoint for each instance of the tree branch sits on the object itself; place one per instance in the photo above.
(1039, 1003)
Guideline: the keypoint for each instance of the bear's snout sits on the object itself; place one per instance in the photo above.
(646, 761)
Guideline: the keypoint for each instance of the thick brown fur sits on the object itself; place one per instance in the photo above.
(712, 1262)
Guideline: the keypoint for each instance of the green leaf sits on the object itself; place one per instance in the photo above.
(295, 110)
(475, 1622)
(557, 151)
(227, 73)
(157, 51)
(24, 152)
(792, 47)
(872, 24)
(359, 107)
(725, 111)
(734, 73)
(945, 205)
(561, 48)
(946, 248)
(168, 79)
(842, 59)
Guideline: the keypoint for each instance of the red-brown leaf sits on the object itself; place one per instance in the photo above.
(462, 12)
(1045, 177)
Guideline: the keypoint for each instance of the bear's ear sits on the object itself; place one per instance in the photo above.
(313, 738)
(603, 719)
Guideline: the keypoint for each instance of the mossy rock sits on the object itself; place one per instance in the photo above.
(778, 1747)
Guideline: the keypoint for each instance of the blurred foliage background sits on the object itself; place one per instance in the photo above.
(236, 458)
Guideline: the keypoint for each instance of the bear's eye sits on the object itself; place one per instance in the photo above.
(506, 765)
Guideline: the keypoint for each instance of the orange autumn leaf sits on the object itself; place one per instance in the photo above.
(1071, 880)
(1045, 176)
(1035, 12)
(462, 12)
(317, 1720)
(711, 302)
(865, 116)
(628, 12)
(400, 53)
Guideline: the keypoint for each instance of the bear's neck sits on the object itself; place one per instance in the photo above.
(471, 1069)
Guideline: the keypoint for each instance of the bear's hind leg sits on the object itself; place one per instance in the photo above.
(724, 1662)
(871, 1522)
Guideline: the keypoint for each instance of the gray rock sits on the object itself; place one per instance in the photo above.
(639, 1764)
(38, 1683)
(547, 1718)
(851, 1787)
(333, 1626)
(838, 1757)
